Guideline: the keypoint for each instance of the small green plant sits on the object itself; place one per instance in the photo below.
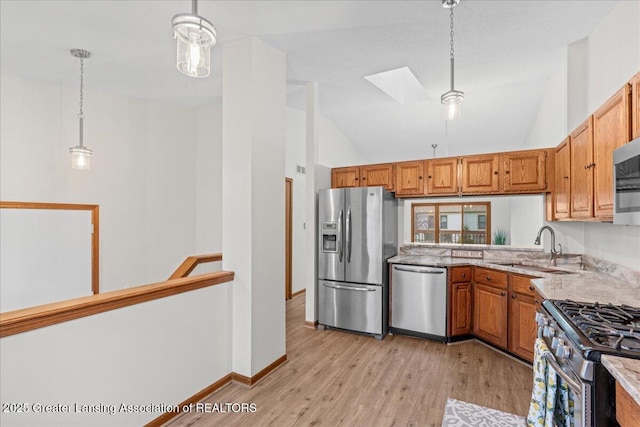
(500, 237)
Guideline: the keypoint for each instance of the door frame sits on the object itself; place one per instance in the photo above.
(288, 237)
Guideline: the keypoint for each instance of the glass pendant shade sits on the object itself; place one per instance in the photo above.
(80, 157)
(452, 102)
(194, 38)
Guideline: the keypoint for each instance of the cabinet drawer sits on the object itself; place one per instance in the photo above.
(490, 277)
(522, 285)
(460, 274)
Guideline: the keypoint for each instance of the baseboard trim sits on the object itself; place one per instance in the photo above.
(300, 292)
(310, 324)
(232, 377)
(193, 399)
(250, 382)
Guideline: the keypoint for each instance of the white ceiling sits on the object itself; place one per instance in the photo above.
(505, 51)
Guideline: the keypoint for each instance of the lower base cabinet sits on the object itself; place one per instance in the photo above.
(459, 323)
(504, 308)
(490, 314)
(522, 325)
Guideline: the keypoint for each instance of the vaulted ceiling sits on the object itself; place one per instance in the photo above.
(505, 52)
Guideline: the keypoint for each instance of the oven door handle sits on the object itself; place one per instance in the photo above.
(556, 367)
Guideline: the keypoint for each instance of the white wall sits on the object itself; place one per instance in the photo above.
(611, 55)
(335, 149)
(143, 173)
(136, 355)
(549, 127)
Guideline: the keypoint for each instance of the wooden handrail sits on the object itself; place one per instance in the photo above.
(192, 262)
(27, 319)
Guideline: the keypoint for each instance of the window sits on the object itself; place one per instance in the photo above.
(457, 223)
(482, 222)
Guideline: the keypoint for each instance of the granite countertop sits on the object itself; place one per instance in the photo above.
(627, 372)
(578, 285)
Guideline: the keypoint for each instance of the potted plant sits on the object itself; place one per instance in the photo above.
(500, 237)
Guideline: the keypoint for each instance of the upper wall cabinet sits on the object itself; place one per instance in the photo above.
(345, 177)
(581, 144)
(364, 176)
(524, 171)
(611, 129)
(410, 178)
(635, 106)
(374, 175)
(442, 176)
(480, 174)
(562, 178)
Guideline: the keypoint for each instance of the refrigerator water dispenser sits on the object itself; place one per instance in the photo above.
(330, 237)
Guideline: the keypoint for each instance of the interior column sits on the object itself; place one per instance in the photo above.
(253, 152)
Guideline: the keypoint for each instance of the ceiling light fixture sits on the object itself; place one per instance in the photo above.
(81, 155)
(452, 100)
(194, 38)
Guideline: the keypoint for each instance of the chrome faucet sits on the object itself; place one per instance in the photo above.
(554, 253)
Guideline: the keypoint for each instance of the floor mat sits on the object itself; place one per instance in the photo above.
(464, 414)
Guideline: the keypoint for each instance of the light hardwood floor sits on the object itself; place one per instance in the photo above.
(334, 378)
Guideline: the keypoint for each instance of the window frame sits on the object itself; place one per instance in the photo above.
(437, 223)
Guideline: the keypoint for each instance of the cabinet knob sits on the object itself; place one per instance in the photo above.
(464, 274)
(357, 179)
(456, 286)
(530, 288)
(513, 296)
(420, 177)
(429, 177)
(495, 173)
(504, 294)
(566, 177)
(506, 172)
(489, 278)
(364, 177)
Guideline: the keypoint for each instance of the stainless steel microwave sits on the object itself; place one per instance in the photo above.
(626, 184)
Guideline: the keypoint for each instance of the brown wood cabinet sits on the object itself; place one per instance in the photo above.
(375, 175)
(490, 305)
(459, 301)
(504, 307)
(562, 194)
(364, 176)
(524, 171)
(627, 410)
(635, 106)
(345, 177)
(490, 314)
(611, 129)
(481, 174)
(442, 176)
(581, 192)
(410, 178)
(522, 310)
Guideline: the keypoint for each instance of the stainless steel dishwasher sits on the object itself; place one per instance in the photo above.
(419, 301)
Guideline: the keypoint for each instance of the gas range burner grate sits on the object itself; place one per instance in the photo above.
(612, 326)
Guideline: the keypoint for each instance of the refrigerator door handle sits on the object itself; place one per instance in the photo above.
(348, 235)
(349, 288)
(340, 236)
(418, 270)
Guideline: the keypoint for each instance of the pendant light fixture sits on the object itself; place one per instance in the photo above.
(194, 38)
(452, 100)
(81, 155)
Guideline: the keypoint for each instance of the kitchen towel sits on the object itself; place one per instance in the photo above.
(545, 386)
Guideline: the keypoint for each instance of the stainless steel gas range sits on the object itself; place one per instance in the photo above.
(578, 334)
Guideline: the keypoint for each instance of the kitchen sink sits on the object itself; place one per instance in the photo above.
(532, 267)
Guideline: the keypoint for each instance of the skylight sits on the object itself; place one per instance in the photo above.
(400, 84)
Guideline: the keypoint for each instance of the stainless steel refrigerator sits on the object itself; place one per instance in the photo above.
(358, 233)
